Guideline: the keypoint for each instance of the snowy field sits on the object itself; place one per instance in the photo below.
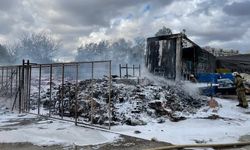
(16, 128)
(231, 123)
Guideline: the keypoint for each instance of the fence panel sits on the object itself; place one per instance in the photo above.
(9, 83)
(79, 92)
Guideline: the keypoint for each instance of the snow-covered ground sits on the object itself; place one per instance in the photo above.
(233, 123)
(18, 128)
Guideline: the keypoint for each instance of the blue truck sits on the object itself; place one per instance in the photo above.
(221, 83)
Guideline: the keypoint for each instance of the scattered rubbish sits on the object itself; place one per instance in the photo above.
(137, 132)
(131, 103)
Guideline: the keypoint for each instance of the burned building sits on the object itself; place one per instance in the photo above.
(175, 56)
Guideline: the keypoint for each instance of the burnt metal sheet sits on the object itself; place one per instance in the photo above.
(161, 57)
(168, 56)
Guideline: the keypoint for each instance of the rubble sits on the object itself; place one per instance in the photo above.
(131, 104)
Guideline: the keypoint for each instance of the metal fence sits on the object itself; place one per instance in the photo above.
(9, 83)
(67, 91)
(130, 71)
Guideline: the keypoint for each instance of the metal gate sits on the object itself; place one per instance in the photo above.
(67, 91)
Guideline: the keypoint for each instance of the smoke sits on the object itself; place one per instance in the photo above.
(5, 55)
(119, 52)
(189, 88)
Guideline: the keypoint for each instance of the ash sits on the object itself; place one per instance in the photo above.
(133, 101)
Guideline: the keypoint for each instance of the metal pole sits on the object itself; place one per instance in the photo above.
(27, 86)
(2, 75)
(139, 70)
(39, 89)
(133, 70)
(76, 95)
(6, 80)
(62, 93)
(19, 89)
(30, 69)
(120, 69)
(92, 88)
(17, 78)
(127, 70)
(110, 84)
(22, 87)
(11, 81)
(25, 89)
(50, 89)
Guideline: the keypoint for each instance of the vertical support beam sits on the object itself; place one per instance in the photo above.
(92, 89)
(30, 75)
(110, 86)
(133, 70)
(76, 95)
(50, 89)
(7, 80)
(22, 88)
(178, 56)
(120, 70)
(127, 70)
(19, 90)
(2, 75)
(28, 86)
(139, 70)
(62, 93)
(39, 89)
(16, 86)
(11, 80)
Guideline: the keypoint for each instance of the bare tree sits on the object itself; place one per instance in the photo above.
(38, 47)
(163, 31)
(120, 51)
(5, 56)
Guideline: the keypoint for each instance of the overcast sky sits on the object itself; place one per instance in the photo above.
(216, 23)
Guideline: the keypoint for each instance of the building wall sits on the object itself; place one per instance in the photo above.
(206, 63)
(165, 56)
(161, 57)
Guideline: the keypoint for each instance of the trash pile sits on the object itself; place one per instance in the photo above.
(132, 103)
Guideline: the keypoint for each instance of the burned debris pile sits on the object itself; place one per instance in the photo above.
(131, 103)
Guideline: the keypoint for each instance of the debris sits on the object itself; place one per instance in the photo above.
(154, 139)
(131, 103)
(200, 141)
(160, 120)
(137, 132)
(215, 117)
(212, 103)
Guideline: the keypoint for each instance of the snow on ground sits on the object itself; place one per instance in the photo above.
(235, 122)
(48, 132)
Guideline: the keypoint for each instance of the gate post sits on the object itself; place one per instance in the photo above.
(19, 90)
(21, 87)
